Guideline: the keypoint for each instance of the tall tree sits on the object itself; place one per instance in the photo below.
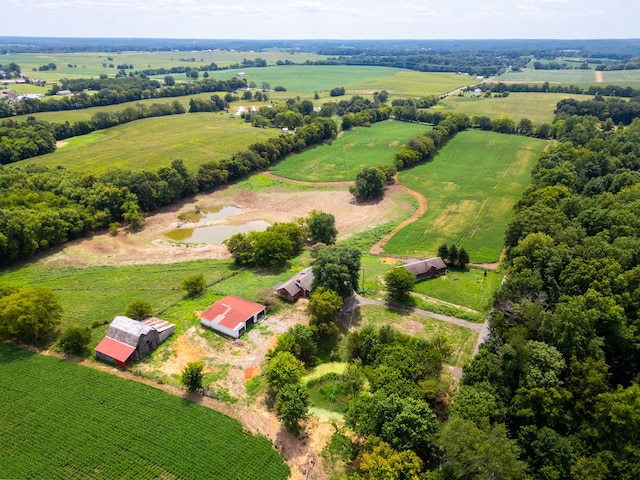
(192, 376)
(292, 406)
(29, 314)
(322, 227)
(324, 307)
(399, 282)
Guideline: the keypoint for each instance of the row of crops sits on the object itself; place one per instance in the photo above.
(61, 420)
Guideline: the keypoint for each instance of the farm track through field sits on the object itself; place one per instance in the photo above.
(377, 249)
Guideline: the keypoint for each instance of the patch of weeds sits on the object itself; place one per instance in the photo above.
(254, 387)
(338, 454)
(222, 394)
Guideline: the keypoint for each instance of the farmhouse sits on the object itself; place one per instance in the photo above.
(429, 268)
(129, 339)
(296, 287)
(232, 315)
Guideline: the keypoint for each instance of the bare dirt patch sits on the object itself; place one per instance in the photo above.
(151, 246)
(61, 143)
(599, 76)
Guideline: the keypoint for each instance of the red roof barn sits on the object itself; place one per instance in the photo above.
(232, 315)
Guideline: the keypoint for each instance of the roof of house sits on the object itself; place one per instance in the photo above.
(419, 267)
(231, 311)
(127, 330)
(115, 349)
(157, 323)
(301, 280)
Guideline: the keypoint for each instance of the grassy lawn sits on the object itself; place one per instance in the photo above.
(62, 420)
(151, 143)
(347, 155)
(537, 107)
(469, 288)
(462, 340)
(471, 186)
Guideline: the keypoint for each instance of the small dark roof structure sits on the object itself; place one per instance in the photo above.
(431, 267)
(297, 286)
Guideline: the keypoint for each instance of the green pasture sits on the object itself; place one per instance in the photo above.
(63, 420)
(357, 80)
(461, 339)
(86, 114)
(469, 288)
(151, 143)
(94, 64)
(97, 294)
(565, 77)
(537, 107)
(347, 155)
(471, 186)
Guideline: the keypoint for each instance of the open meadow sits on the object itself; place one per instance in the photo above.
(81, 428)
(579, 77)
(537, 107)
(471, 186)
(151, 143)
(354, 150)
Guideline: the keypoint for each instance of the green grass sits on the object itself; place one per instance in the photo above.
(97, 294)
(347, 155)
(469, 288)
(445, 309)
(62, 420)
(568, 77)
(151, 143)
(537, 107)
(462, 340)
(471, 186)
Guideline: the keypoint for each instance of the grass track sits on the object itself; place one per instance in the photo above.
(471, 186)
(62, 420)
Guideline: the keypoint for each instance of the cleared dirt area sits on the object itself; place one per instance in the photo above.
(599, 76)
(151, 246)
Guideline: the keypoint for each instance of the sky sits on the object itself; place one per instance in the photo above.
(313, 19)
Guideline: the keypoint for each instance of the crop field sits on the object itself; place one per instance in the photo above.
(461, 339)
(471, 186)
(565, 77)
(346, 156)
(537, 107)
(151, 143)
(62, 420)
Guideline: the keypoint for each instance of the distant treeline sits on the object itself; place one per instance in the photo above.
(546, 87)
(112, 91)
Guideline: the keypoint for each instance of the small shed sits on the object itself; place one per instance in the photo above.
(428, 268)
(297, 286)
(129, 339)
(232, 315)
(165, 329)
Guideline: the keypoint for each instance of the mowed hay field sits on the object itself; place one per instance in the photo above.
(148, 144)
(537, 107)
(470, 186)
(62, 420)
(355, 80)
(354, 150)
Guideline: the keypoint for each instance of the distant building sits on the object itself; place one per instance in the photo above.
(296, 287)
(129, 339)
(429, 268)
(232, 315)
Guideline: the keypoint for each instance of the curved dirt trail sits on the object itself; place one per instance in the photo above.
(422, 209)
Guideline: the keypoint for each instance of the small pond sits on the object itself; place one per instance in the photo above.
(208, 214)
(214, 234)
